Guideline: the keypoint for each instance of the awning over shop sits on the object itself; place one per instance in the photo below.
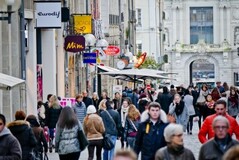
(7, 81)
(107, 68)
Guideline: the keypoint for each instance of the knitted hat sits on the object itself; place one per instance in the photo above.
(91, 109)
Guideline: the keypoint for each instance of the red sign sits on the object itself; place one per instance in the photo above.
(112, 50)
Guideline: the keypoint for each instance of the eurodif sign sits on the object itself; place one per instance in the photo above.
(48, 14)
(74, 43)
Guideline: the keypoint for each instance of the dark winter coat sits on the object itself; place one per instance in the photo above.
(211, 150)
(168, 153)
(39, 135)
(88, 101)
(165, 99)
(95, 103)
(112, 128)
(52, 116)
(148, 142)
(129, 129)
(22, 131)
(10, 147)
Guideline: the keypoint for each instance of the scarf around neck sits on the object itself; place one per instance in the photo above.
(124, 113)
(179, 108)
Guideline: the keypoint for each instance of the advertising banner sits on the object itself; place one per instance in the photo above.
(67, 102)
(82, 24)
(74, 43)
(39, 83)
(48, 14)
(89, 58)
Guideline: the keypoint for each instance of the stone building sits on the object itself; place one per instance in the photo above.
(197, 32)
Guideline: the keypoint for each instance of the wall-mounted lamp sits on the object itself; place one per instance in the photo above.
(7, 7)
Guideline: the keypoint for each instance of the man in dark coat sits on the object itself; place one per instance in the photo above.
(112, 123)
(165, 99)
(87, 100)
(10, 147)
(222, 141)
(150, 132)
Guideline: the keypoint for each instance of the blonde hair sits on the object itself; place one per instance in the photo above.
(102, 104)
(54, 101)
(133, 112)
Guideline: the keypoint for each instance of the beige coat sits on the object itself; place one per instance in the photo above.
(93, 127)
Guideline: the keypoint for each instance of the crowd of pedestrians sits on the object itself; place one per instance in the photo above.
(149, 122)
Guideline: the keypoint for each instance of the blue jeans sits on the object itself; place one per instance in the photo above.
(109, 154)
(51, 133)
(131, 142)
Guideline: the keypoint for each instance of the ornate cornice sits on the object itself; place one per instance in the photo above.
(202, 47)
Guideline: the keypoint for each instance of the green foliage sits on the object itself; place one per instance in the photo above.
(149, 63)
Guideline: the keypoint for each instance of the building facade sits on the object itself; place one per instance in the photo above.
(198, 32)
(148, 21)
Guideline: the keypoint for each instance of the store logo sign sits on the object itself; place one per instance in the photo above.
(74, 43)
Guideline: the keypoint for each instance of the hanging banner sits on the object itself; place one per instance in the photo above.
(39, 83)
(74, 43)
(82, 24)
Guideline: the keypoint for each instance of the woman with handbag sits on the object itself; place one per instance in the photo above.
(94, 129)
(67, 143)
(131, 125)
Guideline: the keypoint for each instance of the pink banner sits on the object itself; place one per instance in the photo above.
(39, 83)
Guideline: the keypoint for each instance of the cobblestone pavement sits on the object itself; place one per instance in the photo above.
(190, 141)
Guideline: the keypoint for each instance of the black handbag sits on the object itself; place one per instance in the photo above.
(108, 144)
(82, 140)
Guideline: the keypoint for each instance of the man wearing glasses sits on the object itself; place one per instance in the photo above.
(222, 141)
(207, 132)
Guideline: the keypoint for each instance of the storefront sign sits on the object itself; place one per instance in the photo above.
(112, 50)
(89, 58)
(82, 24)
(48, 14)
(74, 43)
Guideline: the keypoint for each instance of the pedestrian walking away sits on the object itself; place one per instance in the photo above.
(67, 144)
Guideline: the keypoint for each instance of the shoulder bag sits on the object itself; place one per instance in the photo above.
(108, 143)
(82, 139)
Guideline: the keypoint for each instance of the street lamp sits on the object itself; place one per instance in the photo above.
(91, 41)
(7, 7)
(102, 43)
